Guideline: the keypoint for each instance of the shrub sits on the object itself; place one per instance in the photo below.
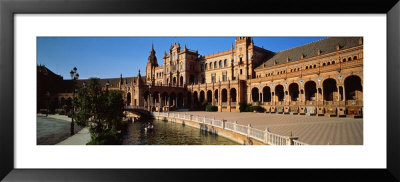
(211, 108)
(108, 138)
(242, 107)
(70, 114)
(256, 108)
(248, 108)
(61, 112)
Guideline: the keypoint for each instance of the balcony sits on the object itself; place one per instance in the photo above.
(332, 67)
(310, 71)
(352, 64)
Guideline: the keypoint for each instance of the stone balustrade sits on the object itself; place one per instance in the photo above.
(265, 136)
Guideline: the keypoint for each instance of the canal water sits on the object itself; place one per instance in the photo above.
(170, 133)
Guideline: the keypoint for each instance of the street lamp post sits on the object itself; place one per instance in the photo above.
(74, 76)
(107, 85)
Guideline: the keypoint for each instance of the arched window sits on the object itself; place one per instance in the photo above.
(220, 63)
(210, 65)
(344, 60)
(306, 67)
(215, 65)
(315, 65)
(329, 63)
(225, 62)
(333, 62)
(349, 59)
(206, 66)
(355, 58)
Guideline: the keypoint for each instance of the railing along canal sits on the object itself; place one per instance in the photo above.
(265, 136)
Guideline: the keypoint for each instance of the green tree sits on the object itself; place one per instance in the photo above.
(101, 110)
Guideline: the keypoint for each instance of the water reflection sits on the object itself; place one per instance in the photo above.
(169, 133)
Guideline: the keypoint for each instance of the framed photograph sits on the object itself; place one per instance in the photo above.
(110, 91)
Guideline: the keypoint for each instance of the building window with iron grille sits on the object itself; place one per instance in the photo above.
(224, 76)
(213, 79)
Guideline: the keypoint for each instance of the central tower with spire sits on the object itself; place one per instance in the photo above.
(151, 65)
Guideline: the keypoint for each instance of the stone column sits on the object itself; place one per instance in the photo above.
(344, 93)
(237, 97)
(272, 98)
(159, 102)
(262, 97)
(322, 94)
(228, 100)
(212, 97)
(286, 96)
(251, 97)
(206, 95)
(219, 100)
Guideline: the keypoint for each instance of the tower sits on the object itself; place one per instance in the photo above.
(243, 54)
(151, 65)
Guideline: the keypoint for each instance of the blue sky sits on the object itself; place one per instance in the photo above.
(108, 57)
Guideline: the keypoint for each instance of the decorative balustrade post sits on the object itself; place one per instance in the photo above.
(266, 131)
(223, 123)
(204, 119)
(248, 130)
(289, 140)
(190, 117)
(234, 125)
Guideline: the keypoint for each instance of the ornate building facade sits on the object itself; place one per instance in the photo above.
(324, 77)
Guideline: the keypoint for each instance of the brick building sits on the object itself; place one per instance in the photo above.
(324, 77)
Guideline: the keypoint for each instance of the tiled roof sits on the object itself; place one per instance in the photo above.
(113, 81)
(326, 46)
(66, 85)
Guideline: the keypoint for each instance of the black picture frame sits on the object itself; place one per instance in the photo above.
(8, 8)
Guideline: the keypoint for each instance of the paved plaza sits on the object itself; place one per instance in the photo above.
(317, 130)
(53, 129)
(80, 138)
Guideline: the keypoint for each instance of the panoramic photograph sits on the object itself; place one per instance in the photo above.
(199, 91)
